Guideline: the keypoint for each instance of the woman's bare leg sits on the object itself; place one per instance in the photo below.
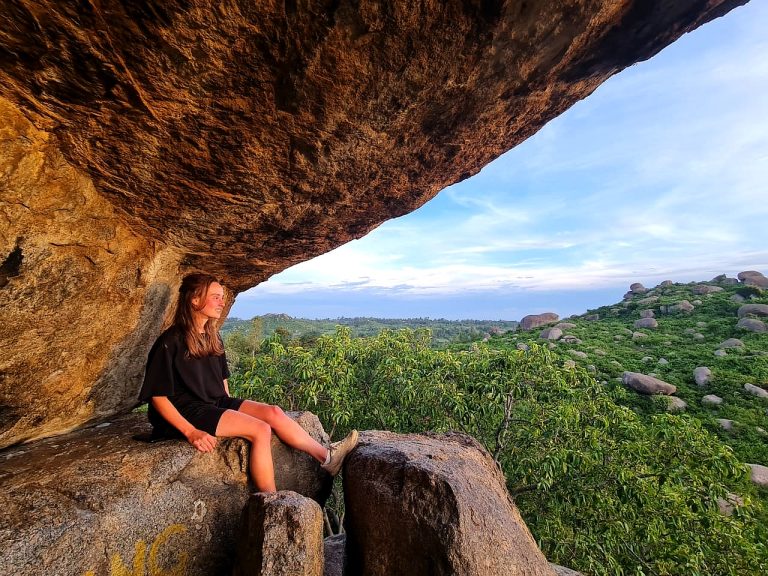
(259, 434)
(286, 428)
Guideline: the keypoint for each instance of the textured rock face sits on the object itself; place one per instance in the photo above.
(419, 504)
(536, 320)
(96, 499)
(645, 384)
(142, 140)
(282, 536)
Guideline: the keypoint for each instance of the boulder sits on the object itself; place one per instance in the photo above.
(742, 276)
(578, 353)
(569, 364)
(95, 499)
(663, 361)
(675, 404)
(752, 310)
(725, 424)
(720, 353)
(738, 298)
(569, 339)
(638, 288)
(731, 343)
(682, 306)
(647, 313)
(666, 283)
(752, 325)
(537, 320)
(701, 289)
(727, 505)
(702, 375)
(432, 504)
(648, 301)
(333, 551)
(647, 384)
(599, 352)
(753, 278)
(141, 138)
(712, 400)
(646, 323)
(592, 317)
(639, 335)
(522, 346)
(698, 336)
(282, 535)
(551, 334)
(756, 390)
(759, 474)
(723, 279)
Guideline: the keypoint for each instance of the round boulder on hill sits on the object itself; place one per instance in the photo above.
(551, 334)
(702, 375)
(753, 309)
(647, 314)
(638, 288)
(666, 283)
(675, 404)
(535, 320)
(759, 474)
(756, 390)
(753, 278)
(706, 289)
(647, 384)
(646, 323)
(731, 343)
(725, 424)
(711, 400)
(752, 325)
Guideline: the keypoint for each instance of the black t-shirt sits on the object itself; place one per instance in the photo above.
(172, 372)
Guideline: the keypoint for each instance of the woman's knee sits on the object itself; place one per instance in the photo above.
(274, 414)
(260, 431)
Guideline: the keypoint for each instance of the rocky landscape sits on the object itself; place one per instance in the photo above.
(700, 348)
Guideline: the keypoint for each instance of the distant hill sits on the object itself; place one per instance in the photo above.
(443, 331)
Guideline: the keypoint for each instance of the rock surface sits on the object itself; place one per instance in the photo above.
(551, 334)
(711, 400)
(646, 323)
(752, 325)
(702, 375)
(143, 140)
(282, 535)
(432, 504)
(731, 343)
(756, 390)
(129, 501)
(537, 320)
(753, 309)
(647, 384)
(759, 474)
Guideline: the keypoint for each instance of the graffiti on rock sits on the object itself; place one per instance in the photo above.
(149, 564)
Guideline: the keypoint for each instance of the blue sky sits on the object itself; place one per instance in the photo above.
(662, 173)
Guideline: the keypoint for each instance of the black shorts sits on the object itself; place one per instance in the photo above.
(201, 415)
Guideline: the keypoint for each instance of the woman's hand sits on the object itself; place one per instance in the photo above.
(201, 440)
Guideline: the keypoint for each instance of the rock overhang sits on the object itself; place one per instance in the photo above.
(242, 138)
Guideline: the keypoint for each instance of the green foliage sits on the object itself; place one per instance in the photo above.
(605, 487)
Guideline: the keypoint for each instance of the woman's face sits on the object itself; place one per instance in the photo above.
(214, 302)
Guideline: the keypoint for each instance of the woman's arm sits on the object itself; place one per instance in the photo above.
(198, 438)
(226, 386)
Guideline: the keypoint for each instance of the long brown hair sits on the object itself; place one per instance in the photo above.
(199, 345)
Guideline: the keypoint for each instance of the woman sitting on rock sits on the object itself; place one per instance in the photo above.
(188, 394)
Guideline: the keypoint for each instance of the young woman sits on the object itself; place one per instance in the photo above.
(188, 394)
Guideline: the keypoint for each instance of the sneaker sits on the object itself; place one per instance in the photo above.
(339, 451)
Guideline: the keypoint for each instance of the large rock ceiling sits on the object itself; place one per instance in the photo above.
(140, 140)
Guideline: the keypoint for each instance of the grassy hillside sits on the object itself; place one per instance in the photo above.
(611, 344)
